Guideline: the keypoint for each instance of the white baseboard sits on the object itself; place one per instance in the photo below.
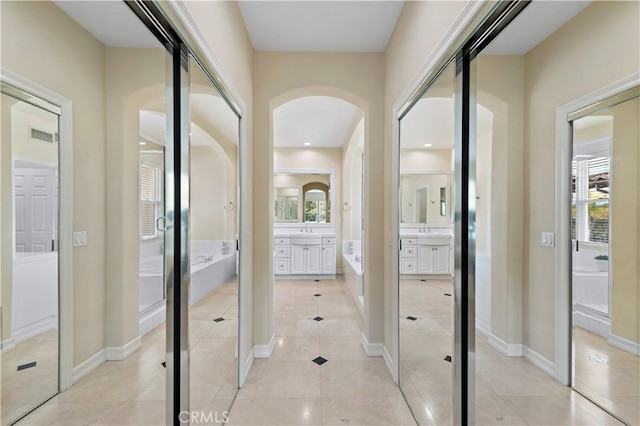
(7, 345)
(118, 353)
(264, 351)
(247, 367)
(372, 349)
(386, 356)
(88, 365)
(34, 329)
(594, 323)
(508, 349)
(153, 318)
(624, 344)
(539, 361)
(483, 327)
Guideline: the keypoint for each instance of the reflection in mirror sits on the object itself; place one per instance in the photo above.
(287, 204)
(425, 259)
(606, 284)
(213, 293)
(313, 188)
(424, 198)
(29, 315)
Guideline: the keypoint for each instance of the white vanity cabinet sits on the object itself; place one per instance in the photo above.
(425, 255)
(306, 259)
(304, 255)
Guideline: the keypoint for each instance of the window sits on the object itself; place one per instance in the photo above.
(315, 206)
(590, 198)
(150, 199)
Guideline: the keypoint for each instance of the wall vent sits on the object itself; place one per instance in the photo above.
(42, 135)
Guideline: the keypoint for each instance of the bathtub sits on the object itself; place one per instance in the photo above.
(591, 300)
(212, 264)
(352, 271)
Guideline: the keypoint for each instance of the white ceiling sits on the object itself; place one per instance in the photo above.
(431, 121)
(538, 21)
(320, 26)
(111, 22)
(324, 121)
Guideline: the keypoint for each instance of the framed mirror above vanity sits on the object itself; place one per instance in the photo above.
(303, 196)
(425, 198)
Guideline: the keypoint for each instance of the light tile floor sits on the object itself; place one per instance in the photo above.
(21, 390)
(509, 390)
(608, 375)
(132, 391)
(289, 389)
(349, 389)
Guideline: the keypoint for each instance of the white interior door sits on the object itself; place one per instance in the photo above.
(35, 195)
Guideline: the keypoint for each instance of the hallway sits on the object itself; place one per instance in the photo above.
(290, 389)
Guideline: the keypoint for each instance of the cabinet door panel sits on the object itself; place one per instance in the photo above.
(298, 261)
(425, 264)
(441, 260)
(328, 259)
(314, 259)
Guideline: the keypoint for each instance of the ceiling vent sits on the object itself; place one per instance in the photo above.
(42, 135)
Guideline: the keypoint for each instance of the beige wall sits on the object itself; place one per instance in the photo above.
(212, 185)
(6, 215)
(420, 27)
(359, 79)
(352, 184)
(500, 88)
(604, 30)
(75, 68)
(625, 221)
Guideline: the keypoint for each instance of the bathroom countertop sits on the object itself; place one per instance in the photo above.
(304, 234)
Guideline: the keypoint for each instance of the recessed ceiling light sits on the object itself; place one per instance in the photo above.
(307, 143)
(426, 145)
(142, 143)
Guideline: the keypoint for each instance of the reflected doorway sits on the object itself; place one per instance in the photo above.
(605, 282)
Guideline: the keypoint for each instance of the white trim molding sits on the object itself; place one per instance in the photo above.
(7, 345)
(508, 349)
(539, 361)
(562, 226)
(372, 349)
(88, 365)
(625, 344)
(153, 318)
(386, 356)
(34, 329)
(264, 351)
(65, 245)
(118, 353)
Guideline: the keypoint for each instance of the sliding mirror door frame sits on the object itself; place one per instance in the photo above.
(483, 25)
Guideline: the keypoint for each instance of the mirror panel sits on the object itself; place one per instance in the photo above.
(424, 199)
(29, 314)
(301, 197)
(605, 282)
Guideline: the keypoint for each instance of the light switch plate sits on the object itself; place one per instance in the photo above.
(547, 239)
(79, 238)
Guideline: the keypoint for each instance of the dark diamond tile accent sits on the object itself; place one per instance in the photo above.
(447, 358)
(424, 281)
(412, 318)
(448, 294)
(317, 295)
(317, 281)
(219, 319)
(27, 365)
(164, 364)
(320, 360)
(318, 319)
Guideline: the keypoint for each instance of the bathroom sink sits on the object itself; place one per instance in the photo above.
(305, 234)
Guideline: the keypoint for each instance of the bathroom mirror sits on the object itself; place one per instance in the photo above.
(424, 198)
(301, 197)
(286, 200)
